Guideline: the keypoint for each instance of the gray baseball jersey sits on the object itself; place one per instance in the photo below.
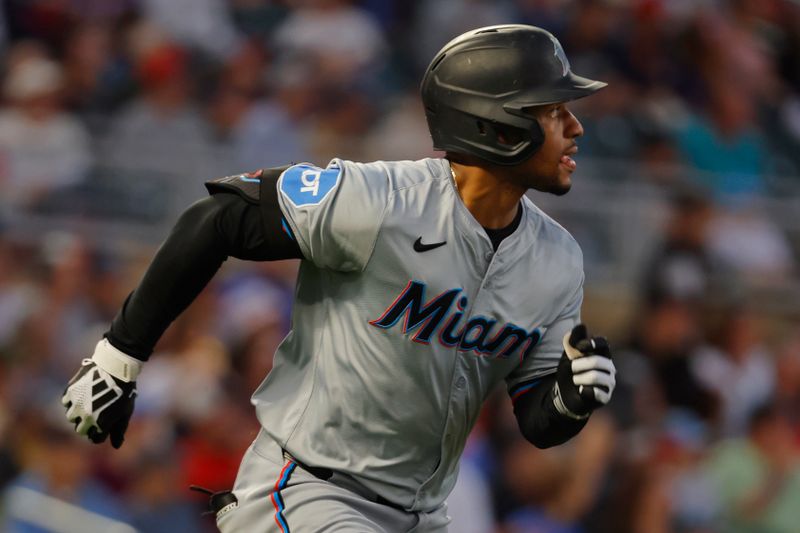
(405, 319)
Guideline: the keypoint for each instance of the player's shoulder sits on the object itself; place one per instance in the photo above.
(391, 175)
(398, 174)
(550, 234)
(306, 185)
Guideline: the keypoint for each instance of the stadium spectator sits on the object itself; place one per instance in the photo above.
(156, 497)
(42, 147)
(749, 244)
(341, 39)
(97, 78)
(163, 116)
(55, 489)
(663, 345)
(20, 295)
(757, 476)
(437, 21)
(253, 130)
(400, 132)
(204, 25)
(342, 123)
(682, 267)
(787, 386)
(737, 367)
(725, 146)
(556, 488)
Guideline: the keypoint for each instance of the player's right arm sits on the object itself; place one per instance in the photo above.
(241, 219)
(330, 217)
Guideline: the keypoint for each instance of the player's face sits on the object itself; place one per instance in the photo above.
(551, 167)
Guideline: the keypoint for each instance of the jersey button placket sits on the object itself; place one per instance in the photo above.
(486, 282)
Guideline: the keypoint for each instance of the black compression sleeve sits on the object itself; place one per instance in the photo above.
(206, 234)
(538, 419)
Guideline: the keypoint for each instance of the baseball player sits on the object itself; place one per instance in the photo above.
(422, 286)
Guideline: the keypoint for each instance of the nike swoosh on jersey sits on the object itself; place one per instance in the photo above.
(419, 247)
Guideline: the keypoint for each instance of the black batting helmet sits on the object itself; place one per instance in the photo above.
(481, 83)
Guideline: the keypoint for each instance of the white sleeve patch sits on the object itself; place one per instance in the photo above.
(305, 184)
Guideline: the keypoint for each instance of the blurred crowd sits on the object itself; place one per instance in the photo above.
(123, 108)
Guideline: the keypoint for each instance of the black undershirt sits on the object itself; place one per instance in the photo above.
(497, 235)
(207, 233)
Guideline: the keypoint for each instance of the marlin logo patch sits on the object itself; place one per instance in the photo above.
(562, 57)
(441, 318)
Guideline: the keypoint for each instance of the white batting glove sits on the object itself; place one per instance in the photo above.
(586, 375)
(99, 398)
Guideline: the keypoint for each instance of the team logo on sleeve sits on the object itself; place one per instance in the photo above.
(306, 184)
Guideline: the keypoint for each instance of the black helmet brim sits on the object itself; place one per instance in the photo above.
(570, 87)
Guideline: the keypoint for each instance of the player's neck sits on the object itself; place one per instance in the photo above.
(492, 201)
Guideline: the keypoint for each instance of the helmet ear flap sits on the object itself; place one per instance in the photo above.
(514, 137)
(510, 136)
(537, 136)
(504, 136)
(486, 138)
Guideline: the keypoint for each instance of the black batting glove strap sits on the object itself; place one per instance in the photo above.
(98, 404)
(586, 375)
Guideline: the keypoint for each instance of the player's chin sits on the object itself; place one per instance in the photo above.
(561, 190)
(563, 183)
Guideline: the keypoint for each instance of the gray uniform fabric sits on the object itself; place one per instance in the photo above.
(275, 496)
(393, 351)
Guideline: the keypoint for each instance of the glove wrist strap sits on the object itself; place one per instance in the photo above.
(572, 352)
(562, 408)
(119, 364)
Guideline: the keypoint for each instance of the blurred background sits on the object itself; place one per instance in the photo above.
(686, 203)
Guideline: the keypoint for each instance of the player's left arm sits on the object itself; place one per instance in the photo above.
(553, 409)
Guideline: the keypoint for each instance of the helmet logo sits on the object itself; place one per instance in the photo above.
(559, 53)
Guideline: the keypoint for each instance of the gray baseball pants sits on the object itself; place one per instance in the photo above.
(276, 495)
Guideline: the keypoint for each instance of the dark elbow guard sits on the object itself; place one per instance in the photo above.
(255, 224)
(240, 229)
